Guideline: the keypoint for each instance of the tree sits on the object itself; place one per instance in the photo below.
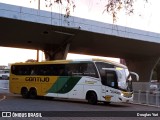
(112, 6)
(31, 60)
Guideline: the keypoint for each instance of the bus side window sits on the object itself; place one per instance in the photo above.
(69, 69)
(32, 72)
(73, 69)
(16, 70)
(13, 69)
(59, 70)
(103, 77)
(20, 71)
(50, 70)
(111, 79)
(27, 70)
(89, 70)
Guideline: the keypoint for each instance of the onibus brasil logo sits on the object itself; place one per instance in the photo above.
(21, 114)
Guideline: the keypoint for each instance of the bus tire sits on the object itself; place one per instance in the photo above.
(48, 98)
(92, 98)
(24, 92)
(33, 93)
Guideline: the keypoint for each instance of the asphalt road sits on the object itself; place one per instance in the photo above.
(73, 109)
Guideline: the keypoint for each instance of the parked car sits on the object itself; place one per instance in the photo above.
(4, 74)
(154, 86)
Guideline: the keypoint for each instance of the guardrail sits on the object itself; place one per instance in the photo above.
(4, 84)
(147, 98)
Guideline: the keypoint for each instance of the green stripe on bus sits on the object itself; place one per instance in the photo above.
(58, 84)
(68, 86)
(64, 84)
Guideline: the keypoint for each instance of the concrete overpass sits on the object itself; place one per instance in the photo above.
(36, 29)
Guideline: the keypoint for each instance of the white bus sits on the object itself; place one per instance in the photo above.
(93, 80)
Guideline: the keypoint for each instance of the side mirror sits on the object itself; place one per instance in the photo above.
(135, 74)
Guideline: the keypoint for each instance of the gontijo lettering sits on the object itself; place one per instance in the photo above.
(37, 79)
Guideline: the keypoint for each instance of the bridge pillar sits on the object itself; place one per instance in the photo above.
(57, 53)
(144, 67)
(158, 72)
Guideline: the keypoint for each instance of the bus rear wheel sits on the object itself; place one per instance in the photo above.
(92, 98)
(33, 93)
(24, 92)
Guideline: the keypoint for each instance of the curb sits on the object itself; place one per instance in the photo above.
(146, 105)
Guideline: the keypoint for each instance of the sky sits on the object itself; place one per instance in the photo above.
(12, 55)
(145, 17)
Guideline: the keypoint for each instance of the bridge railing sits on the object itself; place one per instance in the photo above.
(147, 98)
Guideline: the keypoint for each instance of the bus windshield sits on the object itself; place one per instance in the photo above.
(115, 76)
(124, 80)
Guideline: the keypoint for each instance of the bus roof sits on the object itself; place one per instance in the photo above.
(110, 62)
(71, 61)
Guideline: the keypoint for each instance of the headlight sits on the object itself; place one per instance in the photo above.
(126, 94)
(122, 94)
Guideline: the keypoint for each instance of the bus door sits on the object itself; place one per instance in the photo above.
(109, 85)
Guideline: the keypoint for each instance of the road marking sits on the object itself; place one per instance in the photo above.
(3, 98)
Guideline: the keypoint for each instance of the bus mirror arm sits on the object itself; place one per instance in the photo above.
(135, 74)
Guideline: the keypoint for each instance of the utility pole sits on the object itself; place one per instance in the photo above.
(37, 55)
(39, 3)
